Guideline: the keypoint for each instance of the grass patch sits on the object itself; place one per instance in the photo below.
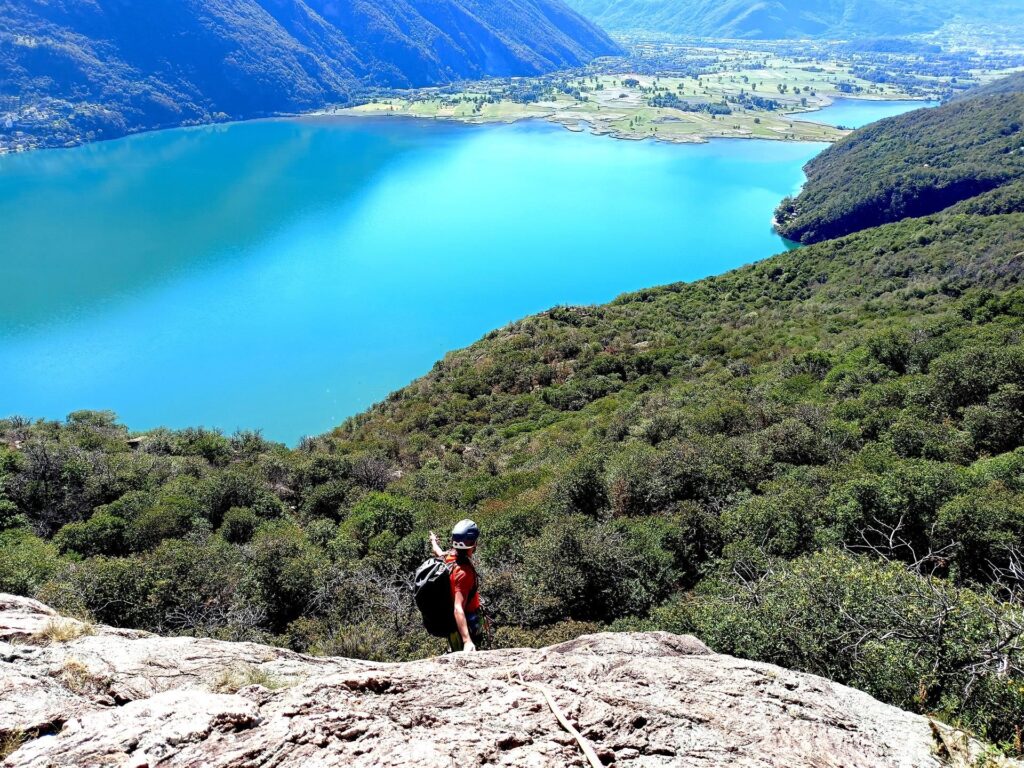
(61, 631)
(76, 676)
(11, 742)
(234, 679)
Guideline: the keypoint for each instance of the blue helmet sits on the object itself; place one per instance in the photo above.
(464, 534)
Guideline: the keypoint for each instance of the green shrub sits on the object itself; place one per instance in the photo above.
(635, 486)
(26, 561)
(376, 514)
(101, 534)
(515, 637)
(584, 572)
(326, 501)
(208, 444)
(239, 525)
(782, 519)
(112, 591)
(171, 517)
(236, 487)
(581, 488)
(981, 529)
(281, 572)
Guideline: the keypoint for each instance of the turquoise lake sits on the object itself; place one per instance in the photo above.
(283, 275)
(856, 113)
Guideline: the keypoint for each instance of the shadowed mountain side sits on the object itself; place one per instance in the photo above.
(73, 71)
(912, 165)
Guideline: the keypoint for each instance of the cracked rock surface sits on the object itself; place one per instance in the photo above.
(109, 697)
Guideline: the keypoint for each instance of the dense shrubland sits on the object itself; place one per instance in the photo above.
(817, 460)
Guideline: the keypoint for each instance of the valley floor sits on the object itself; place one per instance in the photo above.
(679, 95)
(627, 118)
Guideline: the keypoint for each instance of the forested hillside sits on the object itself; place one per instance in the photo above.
(80, 70)
(912, 165)
(784, 19)
(816, 460)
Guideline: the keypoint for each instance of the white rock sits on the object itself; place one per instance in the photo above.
(117, 698)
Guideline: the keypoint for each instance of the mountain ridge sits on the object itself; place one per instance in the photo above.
(788, 19)
(98, 69)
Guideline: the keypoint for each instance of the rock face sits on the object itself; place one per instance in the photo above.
(76, 695)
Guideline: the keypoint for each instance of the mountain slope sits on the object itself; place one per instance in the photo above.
(912, 165)
(104, 67)
(780, 19)
(636, 697)
(722, 458)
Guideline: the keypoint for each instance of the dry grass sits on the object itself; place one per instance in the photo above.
(234, 679)
(959, 749)
(11, 741)
(61, 631)
(76, 676)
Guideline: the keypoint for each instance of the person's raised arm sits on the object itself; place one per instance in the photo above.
(438, 552)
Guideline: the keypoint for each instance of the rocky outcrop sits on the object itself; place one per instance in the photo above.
(76, 695)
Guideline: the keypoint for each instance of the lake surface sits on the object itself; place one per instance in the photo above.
(283, 275)
(856, 113)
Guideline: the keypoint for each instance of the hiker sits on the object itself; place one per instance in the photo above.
(464, 585)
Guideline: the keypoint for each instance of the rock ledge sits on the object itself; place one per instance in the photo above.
(76, 695)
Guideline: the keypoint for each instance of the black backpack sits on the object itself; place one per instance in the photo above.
(433, 593)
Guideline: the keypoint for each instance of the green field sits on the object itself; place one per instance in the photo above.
(619, 104)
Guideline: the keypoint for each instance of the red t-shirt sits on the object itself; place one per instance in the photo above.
(463, 579)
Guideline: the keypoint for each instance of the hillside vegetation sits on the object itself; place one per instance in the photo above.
(786, 19)
(97, 69)
(815, 460)
(912, 165)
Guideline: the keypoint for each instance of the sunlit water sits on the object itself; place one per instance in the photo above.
(856, 113)
(283, 275)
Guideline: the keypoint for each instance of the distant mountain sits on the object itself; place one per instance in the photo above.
(782, 19)
(968, 152)
(89, 68)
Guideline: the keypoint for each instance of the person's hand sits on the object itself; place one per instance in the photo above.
(469, 647)
(433, 538)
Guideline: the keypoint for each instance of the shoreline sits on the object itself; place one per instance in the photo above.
(552, 118)
(573, 125)
(691, 139)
